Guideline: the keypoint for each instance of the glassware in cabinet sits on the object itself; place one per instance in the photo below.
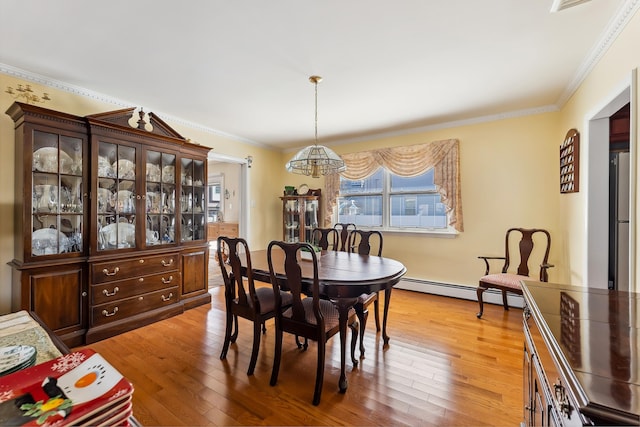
(192, 199)
(160, 198)
(57, 194)
(117, 196)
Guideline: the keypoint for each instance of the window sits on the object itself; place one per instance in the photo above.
(390, 201)
(413, 187)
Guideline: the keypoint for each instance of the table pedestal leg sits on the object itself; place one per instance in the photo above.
(387, 298)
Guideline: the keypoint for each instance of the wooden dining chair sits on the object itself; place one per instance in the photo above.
(309, 316)
(507, 280)
(362, 242)
(242, 297)
(344, 229)
(325, 238)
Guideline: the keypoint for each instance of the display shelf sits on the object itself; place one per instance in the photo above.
(570, 163)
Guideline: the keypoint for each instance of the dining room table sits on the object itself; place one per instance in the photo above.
(343, 277)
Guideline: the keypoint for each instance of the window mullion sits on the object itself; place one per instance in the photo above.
(386, 199)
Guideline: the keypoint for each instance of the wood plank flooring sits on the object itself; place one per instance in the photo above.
(443, 367)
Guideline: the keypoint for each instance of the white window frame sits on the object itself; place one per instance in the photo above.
(386, 194)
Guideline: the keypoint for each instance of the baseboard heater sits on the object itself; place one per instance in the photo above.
(491, 296)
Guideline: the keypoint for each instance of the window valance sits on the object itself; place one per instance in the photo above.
(442, 156)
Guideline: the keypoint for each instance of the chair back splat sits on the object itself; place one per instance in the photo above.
(344, 229)
(325, 238)
(361, 242)
(524, 251)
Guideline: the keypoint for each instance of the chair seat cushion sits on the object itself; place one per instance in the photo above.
(327, 308)
(506, 280)
(267, 300)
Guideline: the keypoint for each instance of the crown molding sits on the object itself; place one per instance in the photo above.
(613, 30)
(80, 91)
(439, 126)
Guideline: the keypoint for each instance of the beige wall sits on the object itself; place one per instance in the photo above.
(509, 178)
(608, 78)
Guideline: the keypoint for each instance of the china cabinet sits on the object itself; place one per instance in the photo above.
(300, 215)
(50, 218)
(110, 210)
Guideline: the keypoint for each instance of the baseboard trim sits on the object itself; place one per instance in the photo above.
(491, 296)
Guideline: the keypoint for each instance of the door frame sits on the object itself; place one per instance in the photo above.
(244, 217)
(596, 160)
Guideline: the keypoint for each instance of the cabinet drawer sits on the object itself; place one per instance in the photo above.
(116, 290)
(108, 271)
(125, 308)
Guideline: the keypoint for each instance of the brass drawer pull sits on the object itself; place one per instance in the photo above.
(110, 294)
(105, 313)
(167, 264)
(167, 298)
(169, 280)
(115, 271)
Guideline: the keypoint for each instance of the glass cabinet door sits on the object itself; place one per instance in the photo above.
(310, 219)
(292, 220)
(192, 200)
(160, 198)
(57, 194)
(116, 194)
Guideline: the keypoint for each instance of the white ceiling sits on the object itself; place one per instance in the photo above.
(241, 67)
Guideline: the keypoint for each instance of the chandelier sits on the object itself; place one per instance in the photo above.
(316, 160)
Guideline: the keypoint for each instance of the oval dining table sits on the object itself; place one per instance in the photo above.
(343, 277)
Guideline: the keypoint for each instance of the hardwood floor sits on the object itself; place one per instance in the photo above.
(443, 367)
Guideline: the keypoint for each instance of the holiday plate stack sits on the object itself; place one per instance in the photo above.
(80, 389)
(14, 358)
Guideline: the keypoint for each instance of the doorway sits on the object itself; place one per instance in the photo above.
(597, 160)
(228, 196)
(619, 196)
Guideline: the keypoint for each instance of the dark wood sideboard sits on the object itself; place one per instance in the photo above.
(581, 364)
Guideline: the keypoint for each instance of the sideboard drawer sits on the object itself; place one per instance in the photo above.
(125, 308)
(133, 267)
(116, 290)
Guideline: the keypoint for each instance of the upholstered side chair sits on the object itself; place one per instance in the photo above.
(309, 315)
(521, 252)
(242, 297)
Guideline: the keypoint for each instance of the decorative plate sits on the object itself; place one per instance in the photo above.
(303, 189)
(153, 172)
(168, 174)
(104, 168)
(122, 234)
(45, 159)
(48, 241)
(126, 169)
(16, 357)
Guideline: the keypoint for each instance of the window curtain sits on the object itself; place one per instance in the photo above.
(443, 156)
